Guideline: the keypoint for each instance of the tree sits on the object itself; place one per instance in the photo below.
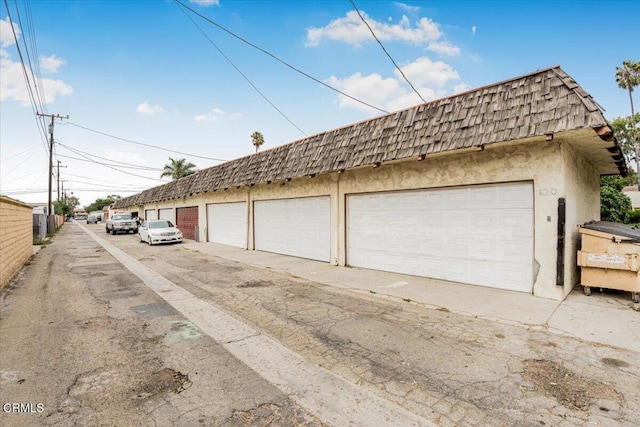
(257, 140)
(60, 208)
(178, 169)
(625, 132)
(614, 204)
(628, 77)
(101, 203)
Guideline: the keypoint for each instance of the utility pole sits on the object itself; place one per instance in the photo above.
(58, 176)
(53, 117)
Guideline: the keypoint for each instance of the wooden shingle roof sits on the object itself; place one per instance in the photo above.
(544, 102)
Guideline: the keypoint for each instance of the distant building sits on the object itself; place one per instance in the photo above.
(632, 192)
(39, 208)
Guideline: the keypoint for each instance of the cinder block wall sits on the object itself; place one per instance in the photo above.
(16, 237)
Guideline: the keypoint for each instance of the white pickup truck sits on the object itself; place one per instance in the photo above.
(121, 223)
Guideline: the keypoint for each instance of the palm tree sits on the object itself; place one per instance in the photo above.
(628, 77)
(178, 169)
(257, 139)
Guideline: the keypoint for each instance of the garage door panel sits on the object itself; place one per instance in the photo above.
(166, 213)
(187, 221)
(298, 227)
(150, 214)
(481, 234)
(227, 223)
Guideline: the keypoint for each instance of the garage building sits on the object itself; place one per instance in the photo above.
(484, 187)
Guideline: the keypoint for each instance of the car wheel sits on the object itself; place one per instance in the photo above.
(113, 231)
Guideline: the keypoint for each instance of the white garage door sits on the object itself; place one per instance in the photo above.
(481, 235)
(298, 227)
(227, 223)
(150, 214)
(167, 214)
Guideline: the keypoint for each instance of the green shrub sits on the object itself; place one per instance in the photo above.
(633, 216)
(614, 205)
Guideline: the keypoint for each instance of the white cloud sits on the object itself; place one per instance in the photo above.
(473, 29)
(12, 83)
(6, 34)
(462, 87)
(425, 72)
(13, 86)
(146, 108)
(353, 31)
(392, 93)
(206, 3)
(443, 47)
(50, 64)
(215, 115)
(372, 89)
(407, 7)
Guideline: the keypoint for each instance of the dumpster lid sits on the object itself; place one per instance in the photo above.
(613, 228)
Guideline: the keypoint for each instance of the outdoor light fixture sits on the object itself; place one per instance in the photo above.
(311, 175)
(548, 137)
(340, 170)
(421, 157)
(268, 182)
(480, 148)
(376, 165)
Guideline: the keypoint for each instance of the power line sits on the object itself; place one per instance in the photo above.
(385, 50)
(124, 165)
(114, 168)
(241, 73)
(40, 122)
(297, 70)
(142, 143)
(18, 154)
(91, 179)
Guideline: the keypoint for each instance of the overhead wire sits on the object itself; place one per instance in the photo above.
(130, 165)
(4, 158)
(297, 70)
(92, 179)
(112, 167)
(140, 143)
(241, 73)
(385, 50)
(32, 99)
(35, 75)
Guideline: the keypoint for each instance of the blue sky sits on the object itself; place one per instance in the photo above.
(144, 72)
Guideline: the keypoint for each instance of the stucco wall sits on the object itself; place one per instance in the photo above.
(555, 168)
(16, 237)
(582, 182)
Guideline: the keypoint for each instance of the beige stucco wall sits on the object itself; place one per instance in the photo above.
(582, 183)
(555, 168)
(16, 237)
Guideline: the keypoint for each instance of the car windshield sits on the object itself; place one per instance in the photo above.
(160, 224)
(121, 217)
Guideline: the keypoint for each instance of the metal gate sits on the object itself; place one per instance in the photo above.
(187, 221)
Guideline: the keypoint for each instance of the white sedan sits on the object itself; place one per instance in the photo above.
(159, 231)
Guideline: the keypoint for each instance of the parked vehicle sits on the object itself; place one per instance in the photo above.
(121, 223)
(159, 231)
(92, 219)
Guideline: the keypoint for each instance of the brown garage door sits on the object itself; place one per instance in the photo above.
(187, 221)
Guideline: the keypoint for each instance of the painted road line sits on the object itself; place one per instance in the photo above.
(331, 398)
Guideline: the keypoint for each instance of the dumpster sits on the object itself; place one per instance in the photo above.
(610, 257)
